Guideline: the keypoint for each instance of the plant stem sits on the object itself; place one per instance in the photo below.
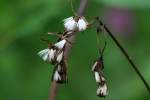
(125, 54)
(53, 91)
(54, 86)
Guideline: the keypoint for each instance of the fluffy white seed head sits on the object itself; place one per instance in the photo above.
(70, 24)
(59, 57)
(60, 44)
(82, 24)
(102, 90)
(56, 76)
(97, 77)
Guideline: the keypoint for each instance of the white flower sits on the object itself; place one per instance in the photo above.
(56, 77)
(47, 54)
(97, 77)
(82, 24)
(44, 54)
(102, 90)
(51, 54)
(93, 67)
(60, 56)
(70, 24)
(60, 44)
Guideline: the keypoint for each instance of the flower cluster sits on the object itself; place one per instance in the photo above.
(54, 54)
(97, 69)
(78, 23)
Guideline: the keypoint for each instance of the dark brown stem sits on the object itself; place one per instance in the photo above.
(54, 86)
(125, 54)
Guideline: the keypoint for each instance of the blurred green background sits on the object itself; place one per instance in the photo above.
(23, 74)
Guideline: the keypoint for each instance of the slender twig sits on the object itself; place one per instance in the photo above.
(54, 86)
(53, 91)
(125, 54)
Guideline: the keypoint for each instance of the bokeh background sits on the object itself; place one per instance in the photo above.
(24, 76)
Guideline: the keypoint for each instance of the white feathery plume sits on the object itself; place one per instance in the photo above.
(82, 24)
(70, 24)
(60, 44)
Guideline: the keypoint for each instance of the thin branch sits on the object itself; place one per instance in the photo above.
(53, 91)
(125, 54)
(54, 86)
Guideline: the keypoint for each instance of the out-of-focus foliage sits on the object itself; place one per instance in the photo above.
(127, 3)
(24, 76)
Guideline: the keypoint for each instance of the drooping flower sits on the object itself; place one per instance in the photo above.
(57, 76)
(52, 55)
(82, 24)
(75, 23)
(55, 52)
(60, 73)
(98, 65)
(97, 77)
(97, 69)
(60, 56)
(102, 90)
(47, 54)
(94, 66)
(70, 24)
(60, 44)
